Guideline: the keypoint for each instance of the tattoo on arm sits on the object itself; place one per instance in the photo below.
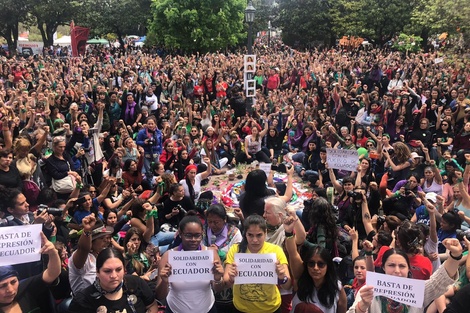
(367, 216)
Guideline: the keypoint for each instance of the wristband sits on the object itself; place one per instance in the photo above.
(87, 233)
(79, 186)
(218, 282)
(282, 281)
(368, 253)
(288, 235)
(457, 258)
(467, 163)
(459, 180)
(152, 213)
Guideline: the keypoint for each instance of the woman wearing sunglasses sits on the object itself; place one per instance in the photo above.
(318, 287)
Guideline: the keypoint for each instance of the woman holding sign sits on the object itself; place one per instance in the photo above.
(189, 296)
(396, 263)
(256, 297)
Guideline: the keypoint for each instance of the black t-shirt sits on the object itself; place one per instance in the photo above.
(168, 206)
(83, 302)
(31, 295)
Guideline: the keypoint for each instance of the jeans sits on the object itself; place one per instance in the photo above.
(298, 157)
(162, 240)
(147, 170)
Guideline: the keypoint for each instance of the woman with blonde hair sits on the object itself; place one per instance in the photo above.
(398, 166)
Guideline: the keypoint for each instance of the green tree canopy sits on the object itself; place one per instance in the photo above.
(12, 12)
(304, 22)
(48, 15)
(378, 20)
(202, 25)
(121, 17)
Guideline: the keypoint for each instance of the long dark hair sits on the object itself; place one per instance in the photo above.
(327, 292)
(256, 220)
(106, 254)
(321, 214)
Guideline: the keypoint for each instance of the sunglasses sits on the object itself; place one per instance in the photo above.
(312, 264)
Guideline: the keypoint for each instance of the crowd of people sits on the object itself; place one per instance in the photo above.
(111, 151)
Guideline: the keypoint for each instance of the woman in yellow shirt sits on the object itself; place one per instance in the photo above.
(256, 298)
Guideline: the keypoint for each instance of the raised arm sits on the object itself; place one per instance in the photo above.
(84, 242)
(53, 269)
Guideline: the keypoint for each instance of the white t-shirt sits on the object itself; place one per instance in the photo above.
(431, 247)
(196, 186)
(81, 278)
(315, 301)
(253, 146)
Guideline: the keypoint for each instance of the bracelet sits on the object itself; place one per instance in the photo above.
(368, 253)
(282, 281)
(218, 282)
(359, 307)
(459, 180)
(87, 233)
(457, 258)
(289, 235)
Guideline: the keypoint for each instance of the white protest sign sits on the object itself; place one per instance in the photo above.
(189, 266)
(265, 167)
(438, 60)
(342, 159)
(256, 268)
(20, 244)
(404, 290)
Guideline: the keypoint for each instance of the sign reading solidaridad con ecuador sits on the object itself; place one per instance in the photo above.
(254, 268)
(188, 266)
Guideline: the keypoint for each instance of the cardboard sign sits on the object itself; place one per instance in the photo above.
(342, 159)
(265, 167)
(187, 266)
(404, 290)
(256, 268)
(249, 69)
(20, 244)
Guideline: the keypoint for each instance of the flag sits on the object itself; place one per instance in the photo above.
(79, 38)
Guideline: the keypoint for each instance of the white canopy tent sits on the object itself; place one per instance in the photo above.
(63, 41)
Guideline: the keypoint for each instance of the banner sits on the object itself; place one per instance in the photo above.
(187, 266)
(342, 159)
(20, 244)
(249, 70)
(404, 290)
(79, 36)
(256, 268)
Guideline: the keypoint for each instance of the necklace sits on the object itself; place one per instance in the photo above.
(390, 306)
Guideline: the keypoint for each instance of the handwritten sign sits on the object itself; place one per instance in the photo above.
(188, 266)
(20, 244)
(404, 290)
(342, 159)
(265, 167)
(256, 268)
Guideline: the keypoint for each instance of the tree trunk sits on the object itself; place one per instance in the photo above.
(121, 41)
(425, 36)
(47, 34)
(12, 39)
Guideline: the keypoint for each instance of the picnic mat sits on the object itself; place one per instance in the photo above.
(227, 191)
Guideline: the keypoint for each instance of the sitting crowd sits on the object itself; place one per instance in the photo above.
(111, 153)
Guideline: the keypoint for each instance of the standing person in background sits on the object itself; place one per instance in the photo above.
(151, 139)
